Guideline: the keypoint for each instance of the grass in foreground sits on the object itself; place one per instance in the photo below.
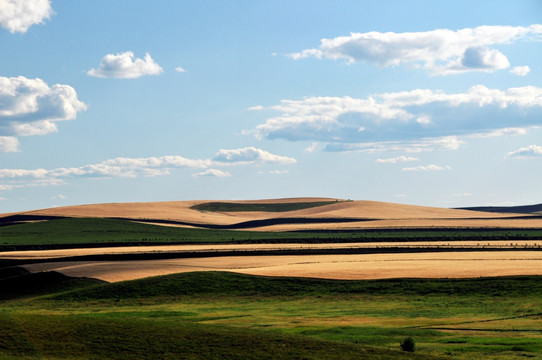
(224, 315)
(111, 337)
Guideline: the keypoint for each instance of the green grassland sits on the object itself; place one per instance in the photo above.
(267, 207)
(108, 232)
(216, 315)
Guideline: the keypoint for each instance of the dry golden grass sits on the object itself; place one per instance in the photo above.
(153, 249)
(384, 215)
(374, 266)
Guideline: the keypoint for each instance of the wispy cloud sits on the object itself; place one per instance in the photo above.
(250, 155)
(397, 159)
(212, 173)
(31, 107)
(124, 66)
(431, 167)
(311, 148)
(526, 152)
(412, 146)
(124, 167)
(441, 51)
(19, 15)
(501, 132)
(415, 115)
(180, 69)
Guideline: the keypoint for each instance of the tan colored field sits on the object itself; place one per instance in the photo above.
(61, 253)
(375, 266)
(371, 214)
(383, 215)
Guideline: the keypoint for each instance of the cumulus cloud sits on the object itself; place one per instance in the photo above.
(212, 173)
(431, 167)
(397, 159)
(19, 15)
(124, 66)
(520, 70)
(395, 117)
(526, 152)
(250, 155)
(441, 51)
(31, 107)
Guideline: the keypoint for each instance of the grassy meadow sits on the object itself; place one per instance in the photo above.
(267, 207)
(219, 315)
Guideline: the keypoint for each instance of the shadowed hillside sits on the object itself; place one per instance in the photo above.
(523, 209)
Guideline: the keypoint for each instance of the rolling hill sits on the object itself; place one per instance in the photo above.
(286, 215)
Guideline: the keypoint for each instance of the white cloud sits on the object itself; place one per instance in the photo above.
(278, 172)
(311, 148)
(9, 144)
(397, 159)
(414, 146)
(475, 59)
(19, 15)
(31, 107)
(250, 155)
(59, 197)
(180, 69)
(500, 132)
(441, 51)
(136, 167)
(118, 167)
(212, 173)
(157, 162)
(395, 117)
(431, 167)
(520, 70)
(526, 152)
(123, 66)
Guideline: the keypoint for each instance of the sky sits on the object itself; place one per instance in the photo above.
(435, 103)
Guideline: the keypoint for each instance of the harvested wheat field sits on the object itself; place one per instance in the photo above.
(330, 214)
(425, 257)
(374, 266)
(247, 248)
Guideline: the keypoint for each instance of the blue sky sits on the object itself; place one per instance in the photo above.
(421, 102)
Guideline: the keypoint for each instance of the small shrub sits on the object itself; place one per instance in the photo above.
(408, 344)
